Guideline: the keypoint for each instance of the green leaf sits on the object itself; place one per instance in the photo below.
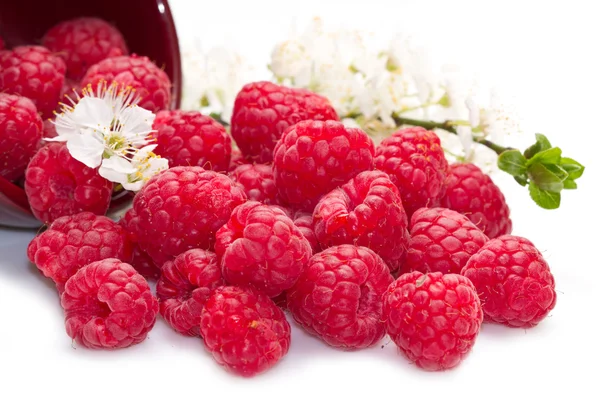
(541, 176)
(558, 171)
(513, 162)
(549, 156)
(574, 168)
(544, 198)
(541, 143)
(570, 184)
(521, 180)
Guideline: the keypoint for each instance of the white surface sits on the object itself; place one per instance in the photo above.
(546, 55)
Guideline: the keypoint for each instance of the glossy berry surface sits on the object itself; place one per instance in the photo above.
(33, 72)
(58, 185)
(151, 83)
(244, 330)
(188, 138)
(434, 318)
(20, 133)
(184, 286)
(513, 280)
(108, 305)
(366, 211)
(83, 42)
(313, 157)
(338, 296)
(263, 110)
(261, 247)
(473, 193)
(414, 160)
(74, 241)
(182, 208)
(441, 240)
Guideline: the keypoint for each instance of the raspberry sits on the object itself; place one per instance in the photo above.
(108, 305)
(185, 285)
(244, 330)
(258, 182)
(304, 222)
(83, 42)
(48, 130)
(263, 110)
(151, 83)
(441, 240)
(472, 193)
(57, 185)
(20, 133)
(366, 211)
(74, 241)
(415, 161)
(338, 296)
(260, 246)
(140, 260)
(237, 159)
(190, 138)
(513, 280)
(434, 319)
(313, 157)
(33, 72)
(182, 208)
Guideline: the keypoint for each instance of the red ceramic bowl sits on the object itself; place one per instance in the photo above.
(148, 28)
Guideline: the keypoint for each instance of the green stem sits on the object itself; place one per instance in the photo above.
(448, 126)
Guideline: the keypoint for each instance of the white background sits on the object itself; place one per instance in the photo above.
(545, 54)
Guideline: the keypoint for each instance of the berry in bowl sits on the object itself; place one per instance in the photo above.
(51, 59)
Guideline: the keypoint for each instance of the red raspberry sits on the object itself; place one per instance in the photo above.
(189, 138)
(244, 330)
(441, 240)
(472, 193)
(182, 208)
(33, 72)
(57, 185)
(260, 246)
(108, 305)
(258, 182)
(151, 83)
(185, 285)
(20, 133)
(366, 211)
(304, 222)
(237, 159)
(338, 296)
(75, 241)
(313, 157)
(513, 280)
(83, 42)
(140, 260)
(48, 130)
(415, 161)
(263, 110)
(434, 319)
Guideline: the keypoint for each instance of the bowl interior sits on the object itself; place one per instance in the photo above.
(147, 26)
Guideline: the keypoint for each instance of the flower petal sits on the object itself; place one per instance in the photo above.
(86, 148)
(116, 169)
(136, 121)
(93, 113)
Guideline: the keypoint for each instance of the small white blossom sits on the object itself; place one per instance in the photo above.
(212, 79)
(106, 129)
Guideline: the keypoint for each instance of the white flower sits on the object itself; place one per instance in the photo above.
(212, 79)
(106, 129)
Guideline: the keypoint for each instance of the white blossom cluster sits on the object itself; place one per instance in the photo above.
(367, 83)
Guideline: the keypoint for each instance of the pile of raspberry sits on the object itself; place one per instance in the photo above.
(34, 79)
(352, 241)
